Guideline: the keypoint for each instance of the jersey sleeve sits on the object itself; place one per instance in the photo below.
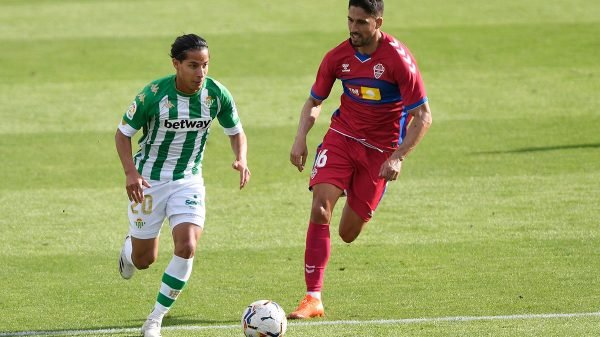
(325, 78)
(228, 116)
(408, 76)
(136, 115)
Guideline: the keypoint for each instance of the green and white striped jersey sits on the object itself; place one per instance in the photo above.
(176, 126)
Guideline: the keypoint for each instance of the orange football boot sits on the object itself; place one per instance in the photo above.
(309, 307)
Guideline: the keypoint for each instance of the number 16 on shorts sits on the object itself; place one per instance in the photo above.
(320, 161)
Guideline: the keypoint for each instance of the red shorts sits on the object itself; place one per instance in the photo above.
(352, 167)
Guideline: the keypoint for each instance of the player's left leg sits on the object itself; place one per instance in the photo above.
(186, 216)
(351, 224)
(364, 193)
(175, 277)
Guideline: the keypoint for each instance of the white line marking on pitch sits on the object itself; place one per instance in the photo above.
(310, 323)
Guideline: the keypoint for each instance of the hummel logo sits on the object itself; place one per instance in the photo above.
(309, 269)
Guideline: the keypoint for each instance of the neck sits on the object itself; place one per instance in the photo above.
(180, 87)
(372, 46)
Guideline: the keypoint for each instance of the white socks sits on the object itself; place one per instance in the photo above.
(128, 248)
(315, 294)
(174, 279)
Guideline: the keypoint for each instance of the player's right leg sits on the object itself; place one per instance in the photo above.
(126, 266)
(137, 254)
(331, 174)
(317, 251)
(140, 248)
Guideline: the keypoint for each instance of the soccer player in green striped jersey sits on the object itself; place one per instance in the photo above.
(164, 178)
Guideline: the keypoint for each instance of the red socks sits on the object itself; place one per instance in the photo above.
(316, 255)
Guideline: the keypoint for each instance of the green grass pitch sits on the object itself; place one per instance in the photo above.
(496, 213)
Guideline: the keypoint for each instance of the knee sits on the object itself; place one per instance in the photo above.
(347, 236)
(320, 212)
(186, 249)
(143, 261)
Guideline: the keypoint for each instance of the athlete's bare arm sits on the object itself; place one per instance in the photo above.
(133, 180)
(310, 113)
(239, 145)
(416, 130)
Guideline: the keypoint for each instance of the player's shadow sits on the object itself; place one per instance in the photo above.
(189, 320)
(135, 325)
(131, 327)
(545, 148)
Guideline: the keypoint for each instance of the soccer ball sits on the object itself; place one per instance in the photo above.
(264, 318)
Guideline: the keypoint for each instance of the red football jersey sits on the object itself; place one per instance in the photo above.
(378, 90)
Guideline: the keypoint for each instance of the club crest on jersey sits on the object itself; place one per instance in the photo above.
(131, 110)
(208, 101)
(378, 70)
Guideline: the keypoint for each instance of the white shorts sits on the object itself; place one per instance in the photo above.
(180, 200)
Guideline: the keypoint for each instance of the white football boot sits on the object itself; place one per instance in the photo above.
(126, 269)
(151, 328)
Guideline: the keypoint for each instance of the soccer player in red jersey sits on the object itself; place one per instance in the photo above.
(383, 115)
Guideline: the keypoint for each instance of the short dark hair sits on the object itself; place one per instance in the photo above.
(372, 7)
(186, 42)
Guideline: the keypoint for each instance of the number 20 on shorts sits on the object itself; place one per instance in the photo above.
(146, 205)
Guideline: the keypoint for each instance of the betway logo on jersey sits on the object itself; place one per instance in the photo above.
(184, 125)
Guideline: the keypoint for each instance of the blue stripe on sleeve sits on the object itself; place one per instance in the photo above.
(412, 106)
(317, 96)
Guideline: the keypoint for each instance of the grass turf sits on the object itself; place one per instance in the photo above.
(496, 212)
